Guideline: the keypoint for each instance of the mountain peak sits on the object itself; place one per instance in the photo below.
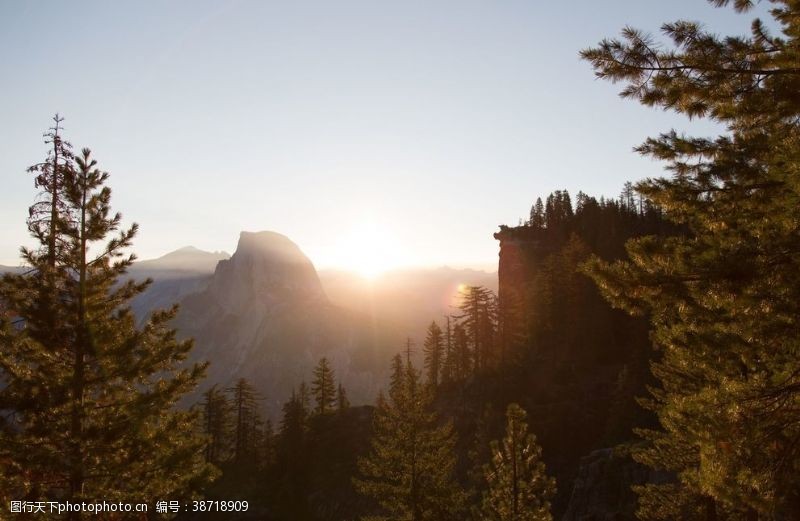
(188, 258)
(269, 267)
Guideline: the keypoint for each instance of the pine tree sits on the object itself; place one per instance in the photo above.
(537, 214)
(46, 213)
(292, 456)
(323, 387)
(448, 364)
(724, 297)
(244, 403)
(462, 366)
(397, 377)
(268, 446)
(90, 398)
(627, 197)
(433, 350)
(478, 318)
(410, 467)
(342, 403)
(218, 425)
(304, 398)
(519, 488)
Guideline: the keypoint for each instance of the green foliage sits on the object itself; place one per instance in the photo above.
(519, 489)
(409, 471)
(89, 399)
(724, 299)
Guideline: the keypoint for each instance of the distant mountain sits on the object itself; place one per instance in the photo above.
(187, 260)
(175, 275)
(264, 316)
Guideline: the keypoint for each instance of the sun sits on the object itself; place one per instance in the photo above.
(369, 250)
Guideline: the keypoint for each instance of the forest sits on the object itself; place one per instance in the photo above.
(640, 359)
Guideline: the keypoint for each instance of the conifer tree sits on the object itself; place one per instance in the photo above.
(537, 214)
(244, 403)
(293, 421)
(478, 319)
(90, 398)
(519, 489)
(462, 366)
(292, 456)
(433, 350)
(268, 447)
(724, 298)
(409, 470)
(397, 376)
(449, 361)
(304, 398)
(323, 387)
(342, 403)
(218, 424)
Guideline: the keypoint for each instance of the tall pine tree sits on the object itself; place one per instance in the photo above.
(89, 398)
(519, 489)
(246, 418)
(323, 387)
(217, 425)
(433, 350)
(724, 297)
(409, 471)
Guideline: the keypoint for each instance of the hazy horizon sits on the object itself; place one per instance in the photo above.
(405, 132)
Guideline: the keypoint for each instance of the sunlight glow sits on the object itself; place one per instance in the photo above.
(369, 249)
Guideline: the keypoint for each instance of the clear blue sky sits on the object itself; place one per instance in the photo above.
(430, 121)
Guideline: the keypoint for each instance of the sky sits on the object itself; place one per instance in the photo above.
(402, 131)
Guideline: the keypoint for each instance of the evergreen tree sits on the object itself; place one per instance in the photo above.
(537, 214)
(90, 399)
(627, 197)
(519, 489)
(292, 464)
(323, 387)
(304, 398)
(433, 350)
(218, 425)
(724, 298)
(448, 364)
(397, 377)
(478, 319)
(342, 403)
(409, 469)
(268, 447)
(51, 207)
(244, 402)
(462, 365)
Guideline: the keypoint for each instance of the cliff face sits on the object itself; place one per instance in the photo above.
(581, 362)
(264, 316)
(266, 273)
